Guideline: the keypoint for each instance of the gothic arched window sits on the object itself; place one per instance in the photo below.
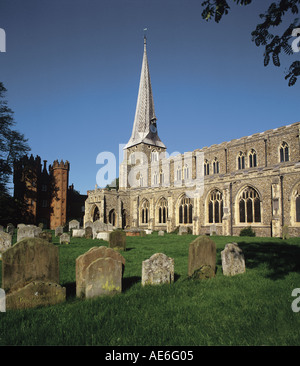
(252, 159)
(216, 166)
(145, 212)
(185, 211)
(284, 152)
(206, 167)
(162, 211)
(249, 206)
(215, 207)
(241, 160)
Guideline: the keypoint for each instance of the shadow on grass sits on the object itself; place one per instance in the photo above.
(281, 259)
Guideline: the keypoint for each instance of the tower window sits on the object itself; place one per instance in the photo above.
(284, 152)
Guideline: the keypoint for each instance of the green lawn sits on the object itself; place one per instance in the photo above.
(253, 308)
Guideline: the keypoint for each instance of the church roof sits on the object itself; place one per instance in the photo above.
(144, 126)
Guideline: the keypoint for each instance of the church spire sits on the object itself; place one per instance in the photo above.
(144, 126)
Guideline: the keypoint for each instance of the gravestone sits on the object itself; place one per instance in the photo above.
(86, 259)
(78, 233)
(157, 270)
(117, 239)
(88, 224)
(233, 261)
(19, 226)
(213, 230)
(161, 233)
(1, 228)
(28, 231)
(59, 230)
(41, 225)
(98, 226)
(74, 224)
(202, 254)
(46, 235)
(30, 274)
(5, 241)
(103, 277)
(183, 230)
(148, 231)
(64, 238)
(285, 232)
(89, 232)
(104, 235)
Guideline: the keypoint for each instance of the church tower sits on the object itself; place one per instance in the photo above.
(144, 144)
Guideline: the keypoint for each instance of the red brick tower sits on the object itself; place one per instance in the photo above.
(58, 205)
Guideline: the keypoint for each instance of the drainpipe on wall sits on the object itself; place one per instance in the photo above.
(282, 203)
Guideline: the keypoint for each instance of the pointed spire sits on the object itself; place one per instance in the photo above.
(144, 126)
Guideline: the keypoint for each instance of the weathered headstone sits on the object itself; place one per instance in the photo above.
(5, 241)
(202, 254)
(41, 225)
(47, 235)
(59, 230)
(183, 230)
(157, 270)
(148, 231)
(28, 231)
(103, 277)
(161, 233)
(213, 230)
(1, 228)
(89, 232)
(78, 233)
(30, 274)
(19, 226)
(84, 260)
(104, 235)
(98, 226)
(285, 232)
(117, 239)
(74, 224)
(88, 224)
(233, 261)
(64, 238)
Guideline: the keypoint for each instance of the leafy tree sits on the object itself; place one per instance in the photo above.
(263, 34)
(13, 145)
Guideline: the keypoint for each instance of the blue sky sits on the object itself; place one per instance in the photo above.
(72, 71)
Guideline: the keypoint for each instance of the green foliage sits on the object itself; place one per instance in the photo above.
(247, 231)
(274, 44)
(13, 145)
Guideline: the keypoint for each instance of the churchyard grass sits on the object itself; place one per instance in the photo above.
(253, 308)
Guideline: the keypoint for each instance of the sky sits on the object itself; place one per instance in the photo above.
(72, 70)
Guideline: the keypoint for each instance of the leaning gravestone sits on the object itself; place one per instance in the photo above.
(88, 232)
(117, 239)
(64, 238)
(202, 257)
(233, 261)
(74, 224)
(157, 270)
(59, 230)
(5, 241)
(103, 277)
(86, 279)
(30, 274)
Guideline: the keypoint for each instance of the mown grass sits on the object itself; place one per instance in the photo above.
(249, 309)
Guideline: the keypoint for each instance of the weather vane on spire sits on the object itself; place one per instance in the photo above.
(145, 34)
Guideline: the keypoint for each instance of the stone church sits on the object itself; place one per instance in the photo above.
(251, 181)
